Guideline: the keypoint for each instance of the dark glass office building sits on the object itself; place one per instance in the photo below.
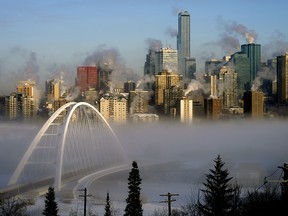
(253, 52)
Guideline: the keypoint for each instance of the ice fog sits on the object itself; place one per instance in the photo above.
(173, 157)
(263, 142)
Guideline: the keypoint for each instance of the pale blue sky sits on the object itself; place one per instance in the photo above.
(54, 35)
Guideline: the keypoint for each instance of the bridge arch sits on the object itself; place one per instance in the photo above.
(79, 121)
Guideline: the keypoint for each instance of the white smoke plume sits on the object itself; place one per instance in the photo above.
(153, 44)
(277, 45)
(104, 57)
(194, 85)
(229, 43)
(144, 81)
(264, 74)
(239, 29)
(231, 33)
(171, 32)
(110, 58)
(30, 68)
(176, 11)
(74, 94)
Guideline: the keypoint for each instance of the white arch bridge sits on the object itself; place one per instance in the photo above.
(74, 142)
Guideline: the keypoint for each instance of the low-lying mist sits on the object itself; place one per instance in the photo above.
(264, 142)
(253, 145)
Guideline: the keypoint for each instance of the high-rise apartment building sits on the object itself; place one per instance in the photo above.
(282, 79)
(29, 108)
(13, 106)
(166, 59)
(228, 87)
(56, 95)
(253, 104)
(26, 87)
(213, 86)
(21, 104)
(212, 107)
(114, 108)
(52, 90)
(129, 86)
(87, 77)
(172, 96)
(165, 80)
(253, 52)
(183, 42)
(20, 107)
(138, 101)
(103, 78)
(186, 110)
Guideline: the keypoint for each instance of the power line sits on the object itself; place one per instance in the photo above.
(169, 200)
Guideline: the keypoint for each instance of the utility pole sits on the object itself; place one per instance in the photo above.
(85, 199)
(284, 182)
(284, 185)
(169, 200)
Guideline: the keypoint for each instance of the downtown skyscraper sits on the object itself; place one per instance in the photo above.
(186, 64)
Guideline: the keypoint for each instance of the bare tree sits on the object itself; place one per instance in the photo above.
(13, 206)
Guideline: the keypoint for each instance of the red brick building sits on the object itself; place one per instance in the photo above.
(87, 77)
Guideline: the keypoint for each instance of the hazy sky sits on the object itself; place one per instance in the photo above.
(44, 38)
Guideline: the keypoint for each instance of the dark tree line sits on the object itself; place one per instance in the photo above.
(218, 197)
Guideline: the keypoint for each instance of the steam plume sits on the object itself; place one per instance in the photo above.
(194, 85)
(110, 58)
(176, 11)
(229, 43)
(32, 68)
(74, 94)
(102, 56)
(264, 74)
(278, 45)
(171, 32)
(239, 29)
(153, 44)
(144, 81)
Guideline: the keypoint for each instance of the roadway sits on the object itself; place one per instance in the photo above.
(69, 186)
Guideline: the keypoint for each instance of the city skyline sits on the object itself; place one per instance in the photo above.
(50, 39)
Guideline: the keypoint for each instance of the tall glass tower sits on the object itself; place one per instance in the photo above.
(183, 42)
(253, 52)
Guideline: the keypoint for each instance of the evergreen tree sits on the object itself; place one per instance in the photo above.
(219, 198)
(107, 206)
(51, 206)
(134, 205)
